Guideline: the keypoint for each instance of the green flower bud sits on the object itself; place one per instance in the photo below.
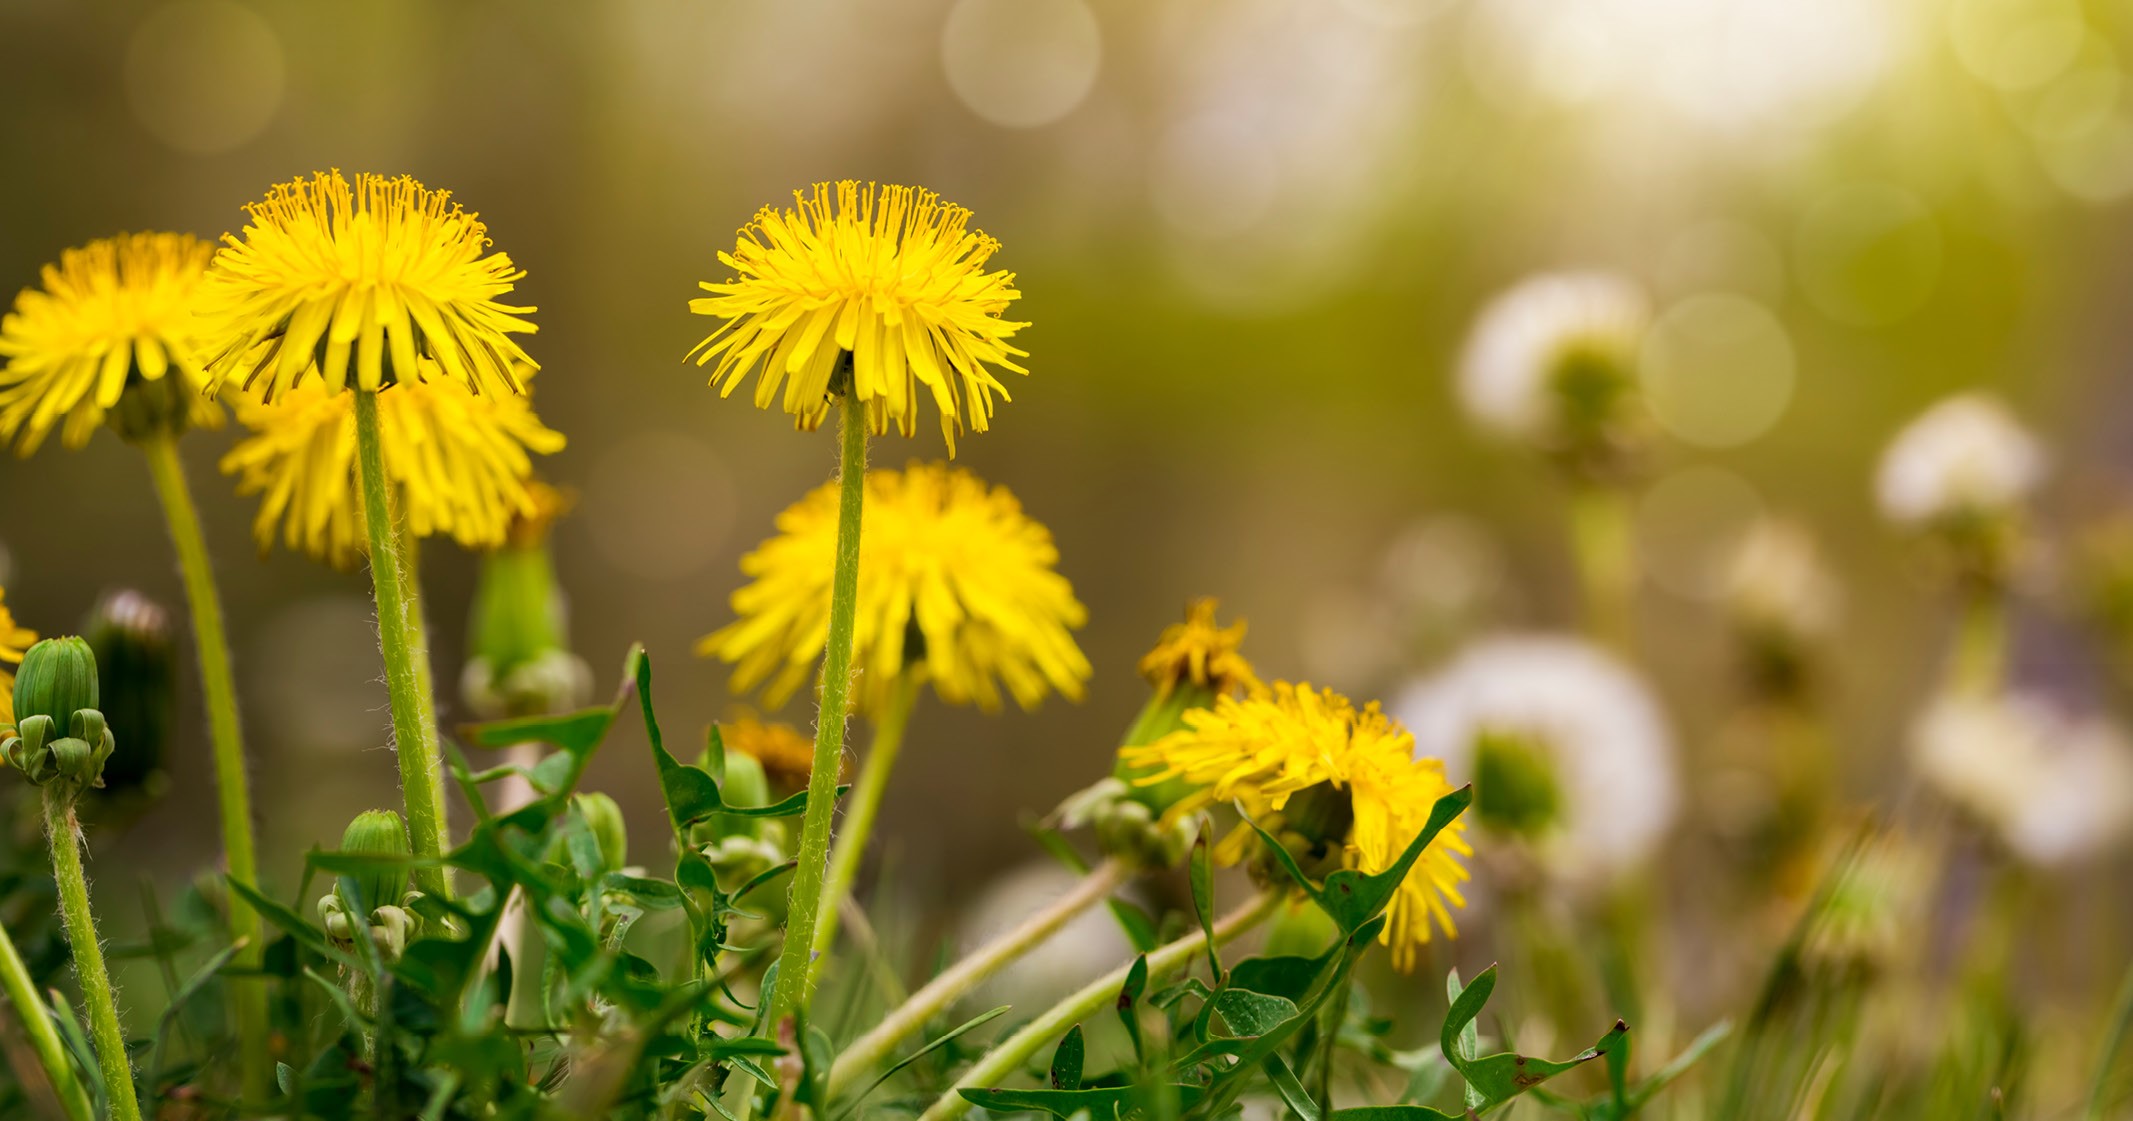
(148, 408)
(1300, 929)
(137, 672)
(377, 833)
(57, 680)
(1515, 789)
(746, 784)
(605, 818)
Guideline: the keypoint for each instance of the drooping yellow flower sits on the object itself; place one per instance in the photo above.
(364, 283)
(955, 582)
(1199, 652)
(1262, 750)
(111, 313)
(15, 641)
(787, 756)
(458, 462)
(891, 275)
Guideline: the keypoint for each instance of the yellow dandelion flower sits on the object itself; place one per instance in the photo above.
(891, 276)
(787, 756)
(1262, 750)
(382, 275)
(955, 582)
(15, 641)
(1198, 652)
(112, 313)
(458, 463)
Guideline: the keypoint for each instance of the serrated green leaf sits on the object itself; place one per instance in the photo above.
(1067, 1061)
(1251, 1014)
(1500, 1077)
(1102, 1102)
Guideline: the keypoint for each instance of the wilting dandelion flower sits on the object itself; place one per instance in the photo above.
(114, 313)
(1553, 362)
(890, 276)
(955, 582)
(1293, 742)
(1199, 652)
(459, 464)
(1966, 457)
(367, 282)
(1566, 748)
(2055, 788)
(15, 641)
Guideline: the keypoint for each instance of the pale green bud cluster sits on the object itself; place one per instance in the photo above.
(383, 902)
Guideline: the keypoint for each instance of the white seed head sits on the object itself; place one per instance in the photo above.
(2056, 788)
(1965, 455)
(1591, 717)
(1521, 337)
(1777, 582)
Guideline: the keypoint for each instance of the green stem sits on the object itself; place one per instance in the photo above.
(233, 787)
(1017, 1049)
(1979, 664)
(64, 833)
(425, 682)
(1606, 563)
(868, 1051)
(862, 804)
(796, 975)
(403, 646)
(44, 1038)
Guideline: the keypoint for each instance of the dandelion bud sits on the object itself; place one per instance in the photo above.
(518, 632)
(377, 833)
(1514, 787)
(138, 670)
(746, 784)
(604, 817)
(59, 734)
(148, 409)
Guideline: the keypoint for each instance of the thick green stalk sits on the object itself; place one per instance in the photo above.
(233, 788)
(796, 975)
(425, 681)
(868, 1051)
(1606, 562)
(400, 641)
(862, 804)
(44, 1038)
(64, 833)
(1018, 1049)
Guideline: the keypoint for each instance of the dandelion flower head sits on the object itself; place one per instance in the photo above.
(112, 313)
(1263, 750)
(955, 582)
(1965, 456)
(1564, 744)
(1551, 359)
(15, 641)
(892, 277)
(2056, 787)
(1199, 652)
(363, 282)
(460, 465)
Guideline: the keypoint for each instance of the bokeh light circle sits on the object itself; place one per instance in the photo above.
(204, 76)
(2016, 44)
(1690, 525)
(1021, 63)
(1867, 254)
(1718, 370)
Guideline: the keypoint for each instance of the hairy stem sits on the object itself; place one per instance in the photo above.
(1017, 1049)
(44, 1038)
(869, 1050)
(64, 833)
(795, 972)
(218, 687)
(859, 812)
(400, 640)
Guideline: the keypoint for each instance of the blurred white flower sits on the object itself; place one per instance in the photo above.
(1965, 455)
(1778, 585)
(1547, 329)
(2056, 788)
(1089, 944)
(1592, 722)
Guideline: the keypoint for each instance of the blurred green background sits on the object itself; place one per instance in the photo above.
(1250, 235)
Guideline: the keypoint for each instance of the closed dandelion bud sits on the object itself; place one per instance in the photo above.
(1515, 789)
(57, 680)
(148, 409)
(746, 784)
(518, 630)
(59, 734)
(137, 672)
(604, 817)
(377, 833)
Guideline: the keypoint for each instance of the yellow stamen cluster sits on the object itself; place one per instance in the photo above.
(892, 276)
(1199, 652)
(955, 582)
(366, 283)
(1262, 750)
(110, 311)
(15, 641)
(458, 462)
